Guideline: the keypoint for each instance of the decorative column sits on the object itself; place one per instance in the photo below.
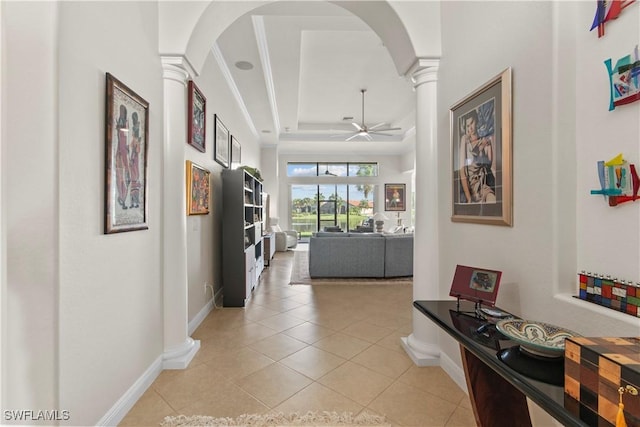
(179, 348)
(422, 345)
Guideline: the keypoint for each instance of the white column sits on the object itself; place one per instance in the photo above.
(179, 348)
(422, 345)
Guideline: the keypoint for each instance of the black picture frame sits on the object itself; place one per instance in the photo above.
(221, 141)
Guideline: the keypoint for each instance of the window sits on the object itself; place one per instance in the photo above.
(332, 169)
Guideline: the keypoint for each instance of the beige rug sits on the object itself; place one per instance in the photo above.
(311, 418)
(300, 274)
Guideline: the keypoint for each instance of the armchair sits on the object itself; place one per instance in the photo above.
(285, 239)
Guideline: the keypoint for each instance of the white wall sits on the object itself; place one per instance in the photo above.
(85, 308)
(30, 205)
(601, 135)
(541, 255)
(110, 292)
(204, 232)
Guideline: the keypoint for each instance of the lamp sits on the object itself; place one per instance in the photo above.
(379, 219)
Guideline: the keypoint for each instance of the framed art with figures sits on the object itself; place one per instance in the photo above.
(196, 129)
(126, 143)
(481, 154)
(198, 189)
(395, 197)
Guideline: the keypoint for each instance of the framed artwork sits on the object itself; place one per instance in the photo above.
(198, 189)
(126, 144)
(197, 117)
(476, 284)
(221, 139)
(235, 152)
(481, 154)
(395, 197)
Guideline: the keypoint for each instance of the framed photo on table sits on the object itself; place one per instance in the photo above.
(481, 154)
(126, 144)
(198, 189)
(476, 284)
(221, 139)
(197, 110)
(395, 197)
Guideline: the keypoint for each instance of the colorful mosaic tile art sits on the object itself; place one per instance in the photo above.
(611, 293)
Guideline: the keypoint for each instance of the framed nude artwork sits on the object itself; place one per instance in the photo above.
(126, 143)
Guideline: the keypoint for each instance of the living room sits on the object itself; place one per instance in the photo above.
(92, 316)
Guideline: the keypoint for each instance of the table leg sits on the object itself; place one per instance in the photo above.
(494, 400)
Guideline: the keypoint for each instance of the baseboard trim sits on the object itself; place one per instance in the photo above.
(426, 356)
(119, 410)
(454, 371)
(199, 318)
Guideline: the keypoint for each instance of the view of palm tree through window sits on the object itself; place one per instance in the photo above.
(321, 205)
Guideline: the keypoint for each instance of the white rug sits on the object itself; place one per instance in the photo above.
(300, 274)
(279, 419)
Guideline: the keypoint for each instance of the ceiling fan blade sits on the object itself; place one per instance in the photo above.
(352, 137)
(369, 137)
(357, 126)
(376, 126)
(385, 129)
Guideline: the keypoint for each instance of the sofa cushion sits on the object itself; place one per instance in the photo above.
(398, 255)
(366, 235)
(329, 234)
(340, 257)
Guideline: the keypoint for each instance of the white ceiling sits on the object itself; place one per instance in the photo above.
(310, 62)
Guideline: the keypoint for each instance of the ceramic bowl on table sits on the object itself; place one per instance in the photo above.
(536, 338)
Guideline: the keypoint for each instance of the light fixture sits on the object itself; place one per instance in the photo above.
(379, 218)
(244, 65)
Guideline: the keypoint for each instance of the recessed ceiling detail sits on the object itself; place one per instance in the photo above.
(314, 58)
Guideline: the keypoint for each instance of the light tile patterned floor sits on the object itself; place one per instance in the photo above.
(300, 348)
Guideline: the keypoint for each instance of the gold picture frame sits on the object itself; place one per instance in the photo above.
(198, 189)
(481, 154)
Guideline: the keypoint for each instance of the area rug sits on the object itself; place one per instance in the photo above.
(311, 418)
(300, 275)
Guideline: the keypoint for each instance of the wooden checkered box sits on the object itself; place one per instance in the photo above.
(594, 369)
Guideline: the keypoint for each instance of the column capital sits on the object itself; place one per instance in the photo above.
(424, 70)
(177, 68)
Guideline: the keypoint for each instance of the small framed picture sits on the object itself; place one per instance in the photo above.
(198, 189)
(395, 197)
(235, 153)
(476, 284)
(221, 139)
(196, 129)
(126, 143)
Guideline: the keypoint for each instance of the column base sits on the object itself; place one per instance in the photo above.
(180, 356)
(422, 354)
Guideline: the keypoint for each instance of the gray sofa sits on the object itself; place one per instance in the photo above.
(360, 255)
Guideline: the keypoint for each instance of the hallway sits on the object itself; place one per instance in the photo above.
(300, 348)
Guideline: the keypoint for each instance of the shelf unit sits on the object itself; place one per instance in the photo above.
(242, 242)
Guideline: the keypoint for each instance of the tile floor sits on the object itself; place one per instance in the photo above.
(300, 348)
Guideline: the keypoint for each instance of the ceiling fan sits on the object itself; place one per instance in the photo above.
(366, 131)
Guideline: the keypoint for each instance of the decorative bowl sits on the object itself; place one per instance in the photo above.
(537, 338)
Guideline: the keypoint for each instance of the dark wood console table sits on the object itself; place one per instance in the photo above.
(498, 379)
